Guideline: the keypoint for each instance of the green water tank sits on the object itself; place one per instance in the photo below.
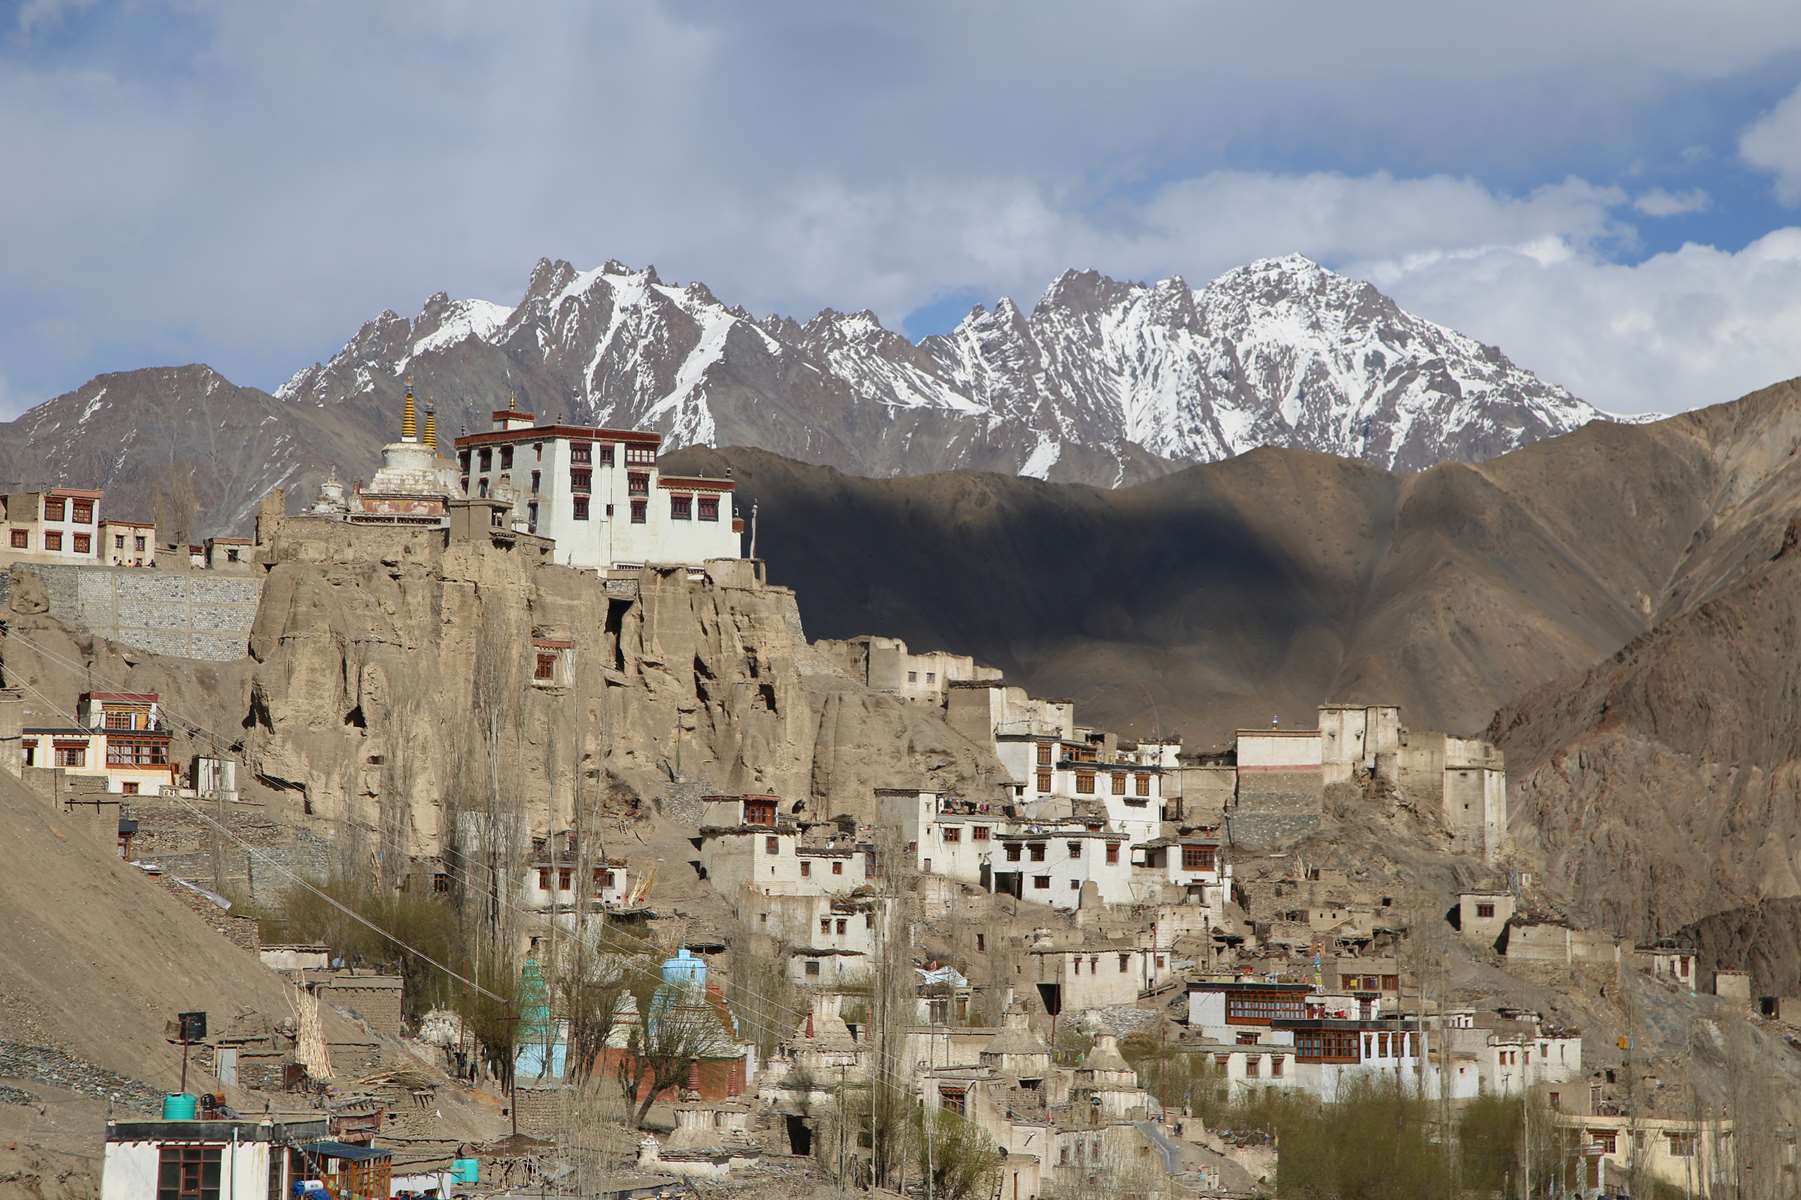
(178, 1106)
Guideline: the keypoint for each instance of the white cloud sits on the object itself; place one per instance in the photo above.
(1773, 142)
(1691, 327)
(38, 14)
(249, 199)
(1659, 202)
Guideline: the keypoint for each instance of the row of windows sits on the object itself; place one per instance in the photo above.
(603, 878)
(81, 543)
(1263, 1007)
(583, 453)
(80, 511)
(681, 508)
(136, 754)
(1094, 964)
(1320, 1044)
(1199, 858)
(1037, 849)
(953, 834)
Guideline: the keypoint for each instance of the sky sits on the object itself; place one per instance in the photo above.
(1610, 191)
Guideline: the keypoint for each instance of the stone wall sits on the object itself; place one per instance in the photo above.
(239, 931)
(260, 857)
(1276, 808)
(187, 614)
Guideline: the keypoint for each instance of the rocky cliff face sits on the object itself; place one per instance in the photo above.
(385, 674)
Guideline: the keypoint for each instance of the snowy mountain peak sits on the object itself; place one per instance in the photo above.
(1102, 380)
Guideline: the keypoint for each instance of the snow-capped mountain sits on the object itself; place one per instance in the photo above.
(1101, 381)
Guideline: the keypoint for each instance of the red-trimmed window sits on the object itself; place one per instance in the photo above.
(1143, 783)
(979, 833)
(1197, 858)
(1112, 853)
(53, 540)
(638, 512)
(1119, 783)
(581, 452)
(681, 508)
(53, 508)
(709, 508)
(581, 508)
(606, 456)
(581, 480)
(952, 835)
(84, 512)
(506, 456)
(546, 668)
(84, 544)
(21, 539)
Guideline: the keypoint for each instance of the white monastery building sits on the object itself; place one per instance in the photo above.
(599, 494)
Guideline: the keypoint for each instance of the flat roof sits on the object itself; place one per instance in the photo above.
(590, 433)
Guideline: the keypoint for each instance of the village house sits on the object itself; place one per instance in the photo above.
(1191, 863)
(1482, 916)
(1694, 1157)
(60, 524)
(561, 875)
(235, 1159)
(1514, 1054)
(1670, 962)
(1290, 1035)
(747, 841)
(599, 493)
(1056, 777)
(1054, 863)
(884, 664)
(120, 738)
(127, 543)
(945, 835)
(1093, 972)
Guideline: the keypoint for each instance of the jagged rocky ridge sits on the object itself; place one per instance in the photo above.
(1101, 382)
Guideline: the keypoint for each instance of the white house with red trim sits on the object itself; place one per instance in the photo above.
(120, 737)
(58, 524)
(599, 494)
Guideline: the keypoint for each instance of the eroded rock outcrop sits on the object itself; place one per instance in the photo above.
(383, 668)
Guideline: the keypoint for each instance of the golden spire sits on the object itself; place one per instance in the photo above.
(431, 426)
(409, 419)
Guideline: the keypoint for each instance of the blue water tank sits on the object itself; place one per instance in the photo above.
(465, 1170)
(178, 1106)
(684, 970)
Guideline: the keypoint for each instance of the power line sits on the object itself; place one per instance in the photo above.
(207, 819)
(219, 743)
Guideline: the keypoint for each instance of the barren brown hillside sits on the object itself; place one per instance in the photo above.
(1224, 594)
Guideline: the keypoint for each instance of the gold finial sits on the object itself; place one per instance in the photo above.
(431, 426)
(409, 418)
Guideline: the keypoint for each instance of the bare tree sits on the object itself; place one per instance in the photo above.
(672, 1026)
